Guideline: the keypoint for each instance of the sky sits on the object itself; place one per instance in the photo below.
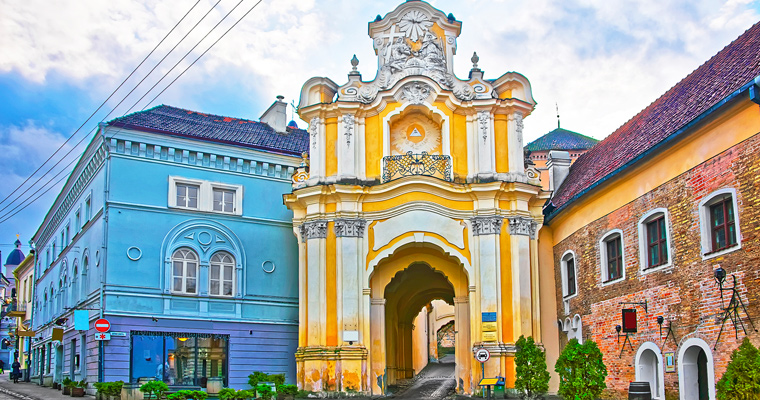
(598, 62)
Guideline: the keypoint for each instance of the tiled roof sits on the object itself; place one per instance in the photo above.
(733, 67)
(561, 139)
(214, 128)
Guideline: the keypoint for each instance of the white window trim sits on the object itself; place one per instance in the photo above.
(78, 220)
(643, 248)
(704, 223)
(563, 271)
(603, 256)
(205, 195)
(221, 275)
(87, 210)
(184, 291)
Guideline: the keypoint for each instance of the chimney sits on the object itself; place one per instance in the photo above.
(276, 115)
(559, 166)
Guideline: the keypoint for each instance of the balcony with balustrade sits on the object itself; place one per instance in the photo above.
(413, 164)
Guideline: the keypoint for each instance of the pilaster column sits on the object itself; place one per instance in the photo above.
(486, 232)
(522, 230)
(515, 138)
(484, 140)
(349, 233)
(314, 234)
(377, 339)
(316, 148)
(346, 146)
(462, 343)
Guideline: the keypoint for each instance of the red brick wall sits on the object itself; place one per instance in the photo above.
(685, 294)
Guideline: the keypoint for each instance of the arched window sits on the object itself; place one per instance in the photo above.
(612, 256)
(75, 285)
(221, 282)
(85, 281)
(185, 271)
(569, 275)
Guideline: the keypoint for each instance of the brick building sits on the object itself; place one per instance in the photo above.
(644, 220)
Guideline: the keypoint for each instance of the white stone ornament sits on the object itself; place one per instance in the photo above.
(313, 230)
(523, 226)
(314, 130)
(348, 127)
(483, 121)
(349, 227)
(414, 24)
(416, 92)
(486, 225)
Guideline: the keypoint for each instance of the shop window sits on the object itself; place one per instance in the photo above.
(612, 260)
(179, 358)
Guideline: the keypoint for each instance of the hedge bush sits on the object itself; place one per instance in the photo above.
(532, 379)
(742, 377)
(581, 371)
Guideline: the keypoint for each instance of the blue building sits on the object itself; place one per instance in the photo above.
(172, 227)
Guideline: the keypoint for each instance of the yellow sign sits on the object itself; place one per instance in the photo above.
(488, 326)
(57, 334)
(26, 333)
(488, 381)
(489, 337)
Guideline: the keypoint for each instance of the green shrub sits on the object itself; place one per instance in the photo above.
(287, 389)
(68, 382)
(232, 394)
(109, 388)
(532, 379)
(264, 392)
(258, 377)
(581, 371)
(154, 389)
(742, 377)
(303, 394)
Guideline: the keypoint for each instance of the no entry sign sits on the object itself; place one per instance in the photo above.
(102, 325)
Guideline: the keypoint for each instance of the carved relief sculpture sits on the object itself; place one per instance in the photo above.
(415, 92)
(523, 226)
(348, 127)
(314, 130)
(483, 121)
(350, 227)
(313, 230)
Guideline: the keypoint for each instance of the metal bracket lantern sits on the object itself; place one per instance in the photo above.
(732, 310)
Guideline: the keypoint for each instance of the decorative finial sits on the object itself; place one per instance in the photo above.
(475, 60)
(557, 107)
(280, 97)
(451, 17)
(305, 159)
(354, 63)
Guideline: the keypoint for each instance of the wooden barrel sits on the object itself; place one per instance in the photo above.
(639, 391)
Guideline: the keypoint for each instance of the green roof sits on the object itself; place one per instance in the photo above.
(562, 139)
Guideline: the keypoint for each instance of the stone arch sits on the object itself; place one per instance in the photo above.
(689, 369)
(650, 368)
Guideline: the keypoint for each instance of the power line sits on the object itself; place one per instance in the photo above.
(7, 217)
(187, 54)
(204, 53)
(95, 112)
(92, 130)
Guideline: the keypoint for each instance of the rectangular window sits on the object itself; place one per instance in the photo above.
(221, 280)
(187, 195)
(55, 254)
(68, 235)
(63, 240)
(570, 270)
(224, 200)
(87, 209)
(657, 248)
(614, 258)
(77, 221)
(722, 224)
(179, 358)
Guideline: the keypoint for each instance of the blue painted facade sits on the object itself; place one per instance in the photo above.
(110, 245)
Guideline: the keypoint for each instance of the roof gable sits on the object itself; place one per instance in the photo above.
(727, 71)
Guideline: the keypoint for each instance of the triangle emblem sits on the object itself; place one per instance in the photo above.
(415, 133)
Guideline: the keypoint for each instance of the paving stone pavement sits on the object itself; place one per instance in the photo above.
(435, 381)
(29, 391)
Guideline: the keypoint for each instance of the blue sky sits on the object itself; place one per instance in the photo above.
(600, 61)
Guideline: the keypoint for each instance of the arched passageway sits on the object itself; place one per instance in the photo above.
(404, 284)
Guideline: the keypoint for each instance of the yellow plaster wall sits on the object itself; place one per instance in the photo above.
(458, 137)
(416, 196)
(331, 138)
(330, 289)
(548, 302)
(505, 250)
(734, 126)
(507, 94)
(373, 141)
(501, 142)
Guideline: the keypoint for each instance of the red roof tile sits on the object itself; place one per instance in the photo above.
(729, 70)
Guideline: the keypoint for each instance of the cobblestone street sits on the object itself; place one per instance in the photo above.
(436, 381)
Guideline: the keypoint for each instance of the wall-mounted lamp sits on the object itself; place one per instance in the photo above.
(182, 339)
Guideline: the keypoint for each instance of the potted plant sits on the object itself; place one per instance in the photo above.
(67, 383)
(78, 389)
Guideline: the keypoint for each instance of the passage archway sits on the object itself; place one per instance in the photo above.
(404, 284)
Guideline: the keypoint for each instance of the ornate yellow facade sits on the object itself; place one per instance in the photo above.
(416, 190)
